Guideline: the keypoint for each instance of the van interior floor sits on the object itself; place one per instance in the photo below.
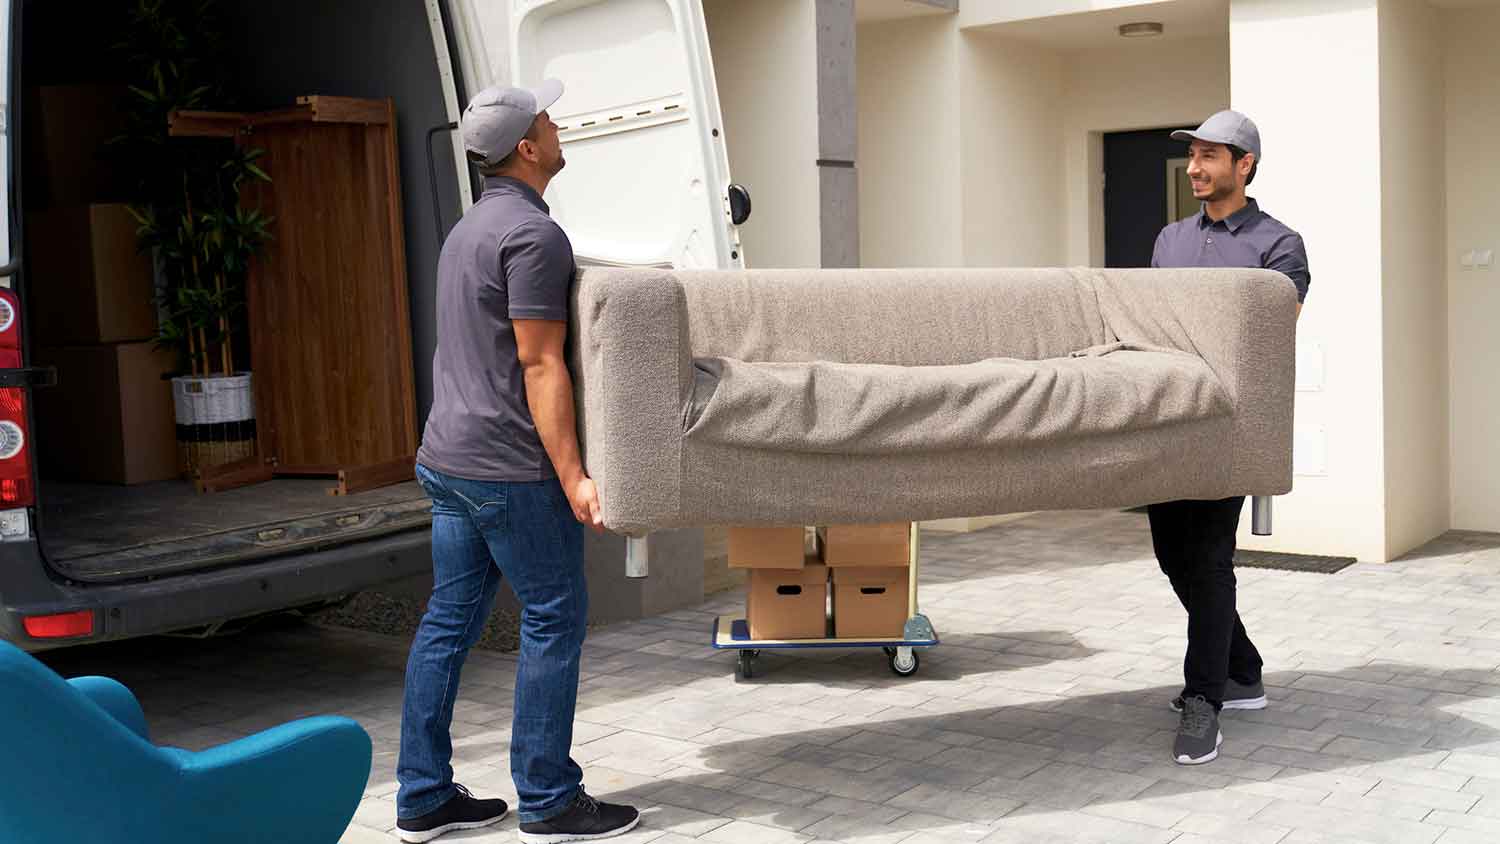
(95, 532)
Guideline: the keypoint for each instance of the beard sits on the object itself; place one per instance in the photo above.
(1217, 190)
(557, 166)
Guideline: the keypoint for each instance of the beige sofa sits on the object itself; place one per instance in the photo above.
(833, 396)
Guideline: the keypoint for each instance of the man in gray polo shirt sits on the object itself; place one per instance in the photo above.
(1195, 540)
(500, 460)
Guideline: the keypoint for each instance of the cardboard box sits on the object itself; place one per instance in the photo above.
(767, 547)
(886, 544)
(870, 603)
(66, 138)
(88, 283)
(109, 419)
(788, 603)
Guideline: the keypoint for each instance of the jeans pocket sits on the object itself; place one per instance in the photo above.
(427, 481)
(485, 503)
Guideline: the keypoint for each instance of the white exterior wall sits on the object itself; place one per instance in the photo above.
(765, 60)
(1414, 300)
(1473, 221)
(908, 129)
(1142, 86)
(1328, 52)
(1010, 152)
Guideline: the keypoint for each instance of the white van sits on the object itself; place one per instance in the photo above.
(647, 184)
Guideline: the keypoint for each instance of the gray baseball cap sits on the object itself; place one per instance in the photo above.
(1225, 127)
(498, 118)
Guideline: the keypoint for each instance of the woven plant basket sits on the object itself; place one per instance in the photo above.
(215, 420)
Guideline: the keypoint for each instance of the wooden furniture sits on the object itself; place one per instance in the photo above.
(330, 328)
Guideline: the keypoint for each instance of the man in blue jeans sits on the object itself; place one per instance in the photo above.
(500, 459)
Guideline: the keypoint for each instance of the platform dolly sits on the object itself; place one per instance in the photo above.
(732, 633)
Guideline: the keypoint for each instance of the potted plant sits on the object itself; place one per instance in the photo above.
(187, 202)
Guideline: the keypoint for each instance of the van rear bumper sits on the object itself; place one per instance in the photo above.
(178, 602)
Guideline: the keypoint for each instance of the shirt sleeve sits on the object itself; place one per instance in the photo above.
(1156, 249)
(1289, 257)
(537, 261)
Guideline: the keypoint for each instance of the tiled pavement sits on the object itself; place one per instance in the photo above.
(1041, 718)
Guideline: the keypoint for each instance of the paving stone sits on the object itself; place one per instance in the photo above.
(744, 832)
(1046, 828)
(959, 805)
(1370, 827)
(1199, 827)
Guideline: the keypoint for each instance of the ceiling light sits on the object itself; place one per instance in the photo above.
(1144, 29)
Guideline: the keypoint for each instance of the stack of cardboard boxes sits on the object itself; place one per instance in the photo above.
(839, 581)
(91, 292)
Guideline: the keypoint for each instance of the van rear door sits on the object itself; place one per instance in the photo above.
(647, 176)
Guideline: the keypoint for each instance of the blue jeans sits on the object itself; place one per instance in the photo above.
(482, 531)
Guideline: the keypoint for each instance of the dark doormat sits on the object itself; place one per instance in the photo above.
(1291, 562)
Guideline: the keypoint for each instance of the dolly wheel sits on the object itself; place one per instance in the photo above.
(904, 662)
(747, 663)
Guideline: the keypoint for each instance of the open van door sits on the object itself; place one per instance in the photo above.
(647, 176)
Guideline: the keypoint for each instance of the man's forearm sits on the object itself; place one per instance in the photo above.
(549, 394)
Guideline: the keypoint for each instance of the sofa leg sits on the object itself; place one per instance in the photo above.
(638, 556)
(1260, 515)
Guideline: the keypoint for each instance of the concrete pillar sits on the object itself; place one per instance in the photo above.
(785, 72)
(838, 182)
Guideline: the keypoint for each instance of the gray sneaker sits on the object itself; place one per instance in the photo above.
(1236, 696)
(1198, 736)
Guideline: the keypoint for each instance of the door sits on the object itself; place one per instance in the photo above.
(647, 175)
(1145, 187)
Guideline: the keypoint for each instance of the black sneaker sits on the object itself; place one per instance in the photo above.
(586, 820)
(463, 811)
(1236, 696)
(1198, 736)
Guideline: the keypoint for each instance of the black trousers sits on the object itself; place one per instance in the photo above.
(1195, 542)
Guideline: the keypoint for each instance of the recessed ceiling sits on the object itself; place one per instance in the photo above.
(870, 11)
(1093, 30)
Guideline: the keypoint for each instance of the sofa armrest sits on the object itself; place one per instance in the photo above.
(632, 374)
(114, 698)
(1242, 322)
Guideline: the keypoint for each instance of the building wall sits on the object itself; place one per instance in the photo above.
(765, 60)
(909, 214)
(1010, 154)
(1472, 120)
(1414, 297)
(1139, 86)
(1338, 504)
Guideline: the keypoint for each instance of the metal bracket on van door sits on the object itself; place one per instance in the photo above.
(1260, 515)
(638, 556)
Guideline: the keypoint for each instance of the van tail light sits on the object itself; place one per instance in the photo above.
(15, 433)
(61, 626)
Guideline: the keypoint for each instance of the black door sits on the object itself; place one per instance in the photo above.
(1136, 195)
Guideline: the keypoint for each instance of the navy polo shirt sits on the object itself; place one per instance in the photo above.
(505, 260)
(1247, 238)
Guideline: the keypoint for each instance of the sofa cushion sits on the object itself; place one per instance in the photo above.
(839, 408)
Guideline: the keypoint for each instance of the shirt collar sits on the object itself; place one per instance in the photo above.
(1234, 221)
(511, 185)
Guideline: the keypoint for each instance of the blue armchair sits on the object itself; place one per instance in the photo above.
(76, 765)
